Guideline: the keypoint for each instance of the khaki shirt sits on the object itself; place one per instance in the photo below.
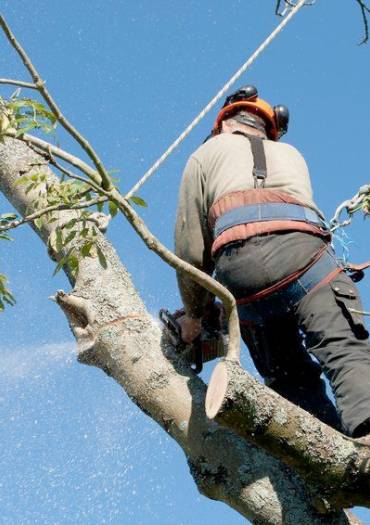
(222, 165)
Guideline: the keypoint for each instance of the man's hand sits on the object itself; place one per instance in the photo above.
(190, 328)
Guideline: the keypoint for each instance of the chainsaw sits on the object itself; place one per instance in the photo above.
(211, 342)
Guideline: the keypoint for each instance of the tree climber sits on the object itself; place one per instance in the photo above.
(246, 211)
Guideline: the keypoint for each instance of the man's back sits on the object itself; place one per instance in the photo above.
(226, 162)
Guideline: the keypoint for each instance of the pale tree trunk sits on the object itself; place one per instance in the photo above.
(115, 333)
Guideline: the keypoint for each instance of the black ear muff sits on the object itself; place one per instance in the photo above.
(243, 93)
(282, 119)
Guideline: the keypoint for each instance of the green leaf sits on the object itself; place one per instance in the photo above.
(38, 223)
(5, 237)
(113, 208)
(22, 180)
(101, 257)
(138, 201)
(5, 294)
(59, 239)
(60, 265)
(70, 237)
(8, 217)
(64, 260)
(70, 224)
(86, 249)
(73, 264)
(29, 188)
(100, 206)
(26, 129)
(9, 299)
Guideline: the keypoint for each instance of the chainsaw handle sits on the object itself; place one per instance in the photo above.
(169, 321)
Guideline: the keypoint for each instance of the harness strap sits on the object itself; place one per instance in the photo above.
(279, 299)
(267, 211)
(259, 158)
(284, 282)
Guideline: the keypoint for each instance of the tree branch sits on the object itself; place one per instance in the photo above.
(56, 207)
(72, 175)
(18, 83)
(48, 148)
(40, 86)
(339, 466)
(364, 11)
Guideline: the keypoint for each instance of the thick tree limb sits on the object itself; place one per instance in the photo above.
(115, 333)
(338, 465)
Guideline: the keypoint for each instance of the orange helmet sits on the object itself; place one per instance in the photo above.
(246, 98)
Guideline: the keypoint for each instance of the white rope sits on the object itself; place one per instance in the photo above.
(214, 101)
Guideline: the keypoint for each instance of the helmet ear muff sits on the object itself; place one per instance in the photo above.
(282, 119)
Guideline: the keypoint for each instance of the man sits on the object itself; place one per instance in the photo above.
(246, 211)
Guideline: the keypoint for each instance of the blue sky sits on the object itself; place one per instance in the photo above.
(131, 75)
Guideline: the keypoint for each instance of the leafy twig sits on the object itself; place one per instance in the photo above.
(56, 207)
(5, 294)
(72, 175)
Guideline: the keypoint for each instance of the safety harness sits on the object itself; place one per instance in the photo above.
(280, 298)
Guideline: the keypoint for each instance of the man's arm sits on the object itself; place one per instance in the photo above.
(193, 239)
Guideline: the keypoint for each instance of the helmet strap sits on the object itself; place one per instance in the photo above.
(248, 120)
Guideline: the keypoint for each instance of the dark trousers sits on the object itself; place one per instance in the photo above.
(323, 324)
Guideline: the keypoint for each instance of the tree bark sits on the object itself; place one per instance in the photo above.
(336, 464)
(115, 333)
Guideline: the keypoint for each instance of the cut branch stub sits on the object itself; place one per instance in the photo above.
(239, 402)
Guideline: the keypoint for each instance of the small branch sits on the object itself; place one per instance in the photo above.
(49, 209)
(18, 83)
(40, 86)
(72, 175)
(31, 141)
(364, 11)
(288, 4)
